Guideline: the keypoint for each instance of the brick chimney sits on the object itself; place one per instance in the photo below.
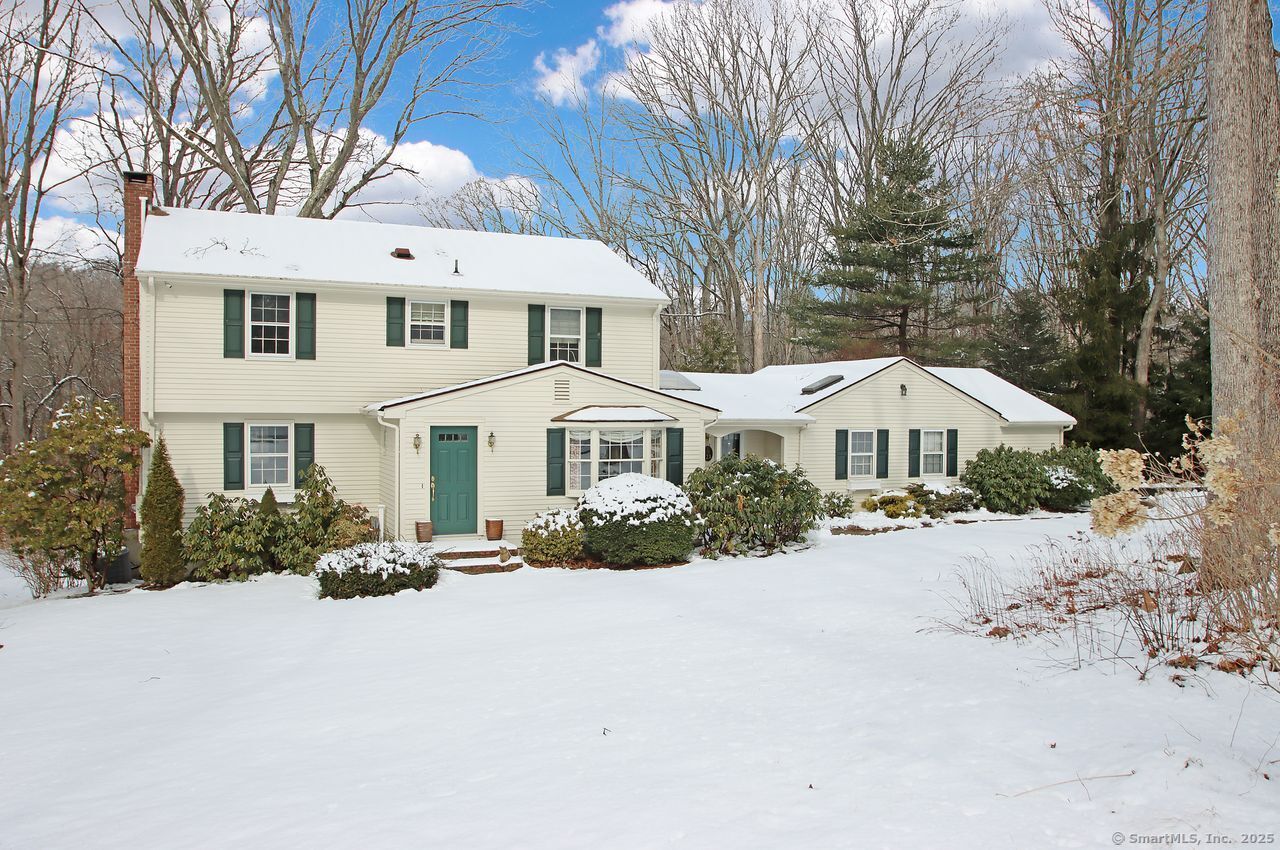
(139, 194)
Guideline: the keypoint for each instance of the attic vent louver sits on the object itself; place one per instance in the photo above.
(822, 384)
(402, 253)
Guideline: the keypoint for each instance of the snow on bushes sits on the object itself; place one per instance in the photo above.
(636, 519)
(1075, 478)
(553, 538)
(1018, 480)
(918, 500)
(376, 569)
(753, 504)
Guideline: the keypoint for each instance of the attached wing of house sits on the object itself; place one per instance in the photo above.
(869, 424)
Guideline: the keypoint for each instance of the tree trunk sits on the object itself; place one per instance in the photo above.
(1244, 222)
(1151, 316)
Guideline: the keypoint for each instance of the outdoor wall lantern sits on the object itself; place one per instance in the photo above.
(417, 443)
(492, 440)
(902, 388)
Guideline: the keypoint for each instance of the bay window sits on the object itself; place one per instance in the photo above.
(596, 455)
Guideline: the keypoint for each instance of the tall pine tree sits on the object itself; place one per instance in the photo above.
(162, 562)
(903, 270)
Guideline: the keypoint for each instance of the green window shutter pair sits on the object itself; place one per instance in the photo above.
(882, 453)
(953, 452)
(233, 324)
(556, 459)
(842, 455)
(913, 447)
(459, 323)
(675, 456)
(233, 453)
(537, 333)
(593, 354)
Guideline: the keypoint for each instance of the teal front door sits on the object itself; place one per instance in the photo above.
(453, 480)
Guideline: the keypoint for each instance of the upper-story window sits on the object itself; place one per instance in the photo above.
(566, 334)
(427, 322)
(270, 324)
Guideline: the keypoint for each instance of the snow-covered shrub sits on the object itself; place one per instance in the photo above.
(894, 505)
(552, 538)
(376, 569)
(636, 519)
(1075, 477)
(947, 499)
(1007, 480)
(752, 504)
(839, 505)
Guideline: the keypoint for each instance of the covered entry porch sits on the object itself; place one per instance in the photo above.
(774, 441)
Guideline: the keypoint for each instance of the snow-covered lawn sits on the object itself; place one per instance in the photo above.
(798, 701)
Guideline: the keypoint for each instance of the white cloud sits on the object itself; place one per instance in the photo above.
(629, 21)
(562, 79)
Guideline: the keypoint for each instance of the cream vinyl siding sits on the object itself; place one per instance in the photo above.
(930, 404)
(186, 372)
(512, 477)
(387, 477)
(346, 446)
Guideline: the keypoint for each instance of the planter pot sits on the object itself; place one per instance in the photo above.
(423, 530)
(493, 529)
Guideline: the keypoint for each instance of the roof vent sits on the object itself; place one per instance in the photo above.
(402, 253)
(821, 384)
(455, 268)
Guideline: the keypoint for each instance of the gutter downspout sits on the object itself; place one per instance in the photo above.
(395, 494)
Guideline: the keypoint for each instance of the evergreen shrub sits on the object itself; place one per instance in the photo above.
(839, 505)
(1075, 478)
(163, 561)
(753, 504)
(553, 538)
(635, 519)
(377, 569)
(1006, 480)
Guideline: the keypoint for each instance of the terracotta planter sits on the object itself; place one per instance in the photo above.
(423, 530)
(493, 529)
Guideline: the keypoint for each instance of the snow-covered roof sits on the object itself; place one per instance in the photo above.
(206, 243)
(783, 393)
(618, 413)
(376, 406)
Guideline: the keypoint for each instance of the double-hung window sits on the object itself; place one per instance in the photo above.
(862, 448)
(731, 445)
(426, 323)
(269, 457)
(565, 339)
(600, 454)
(932, 452)
(270, 324)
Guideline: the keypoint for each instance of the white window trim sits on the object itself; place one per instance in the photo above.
(581, 337)
(871, 455)
(281, 490)
(248, 326)
(646, 460)
(943, 453)
(408, 325)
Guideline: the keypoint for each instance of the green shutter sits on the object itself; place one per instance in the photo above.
(842, 455)
(595, 318)
(232, 455)
(395, 321)
(233, 323)
(882, 453)
(913, 448)
(675, 456)
(306, 307)
(537, 333)
(304, 449)
(953, 452)
(458, 324)
(555, 461)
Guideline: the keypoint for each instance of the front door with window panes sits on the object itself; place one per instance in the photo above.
(566, 334)
(453, 480)
(269, 324)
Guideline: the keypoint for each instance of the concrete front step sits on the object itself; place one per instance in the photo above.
(452, 550)
(481, 565)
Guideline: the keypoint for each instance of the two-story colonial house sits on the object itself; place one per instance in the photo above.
(456, 376)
